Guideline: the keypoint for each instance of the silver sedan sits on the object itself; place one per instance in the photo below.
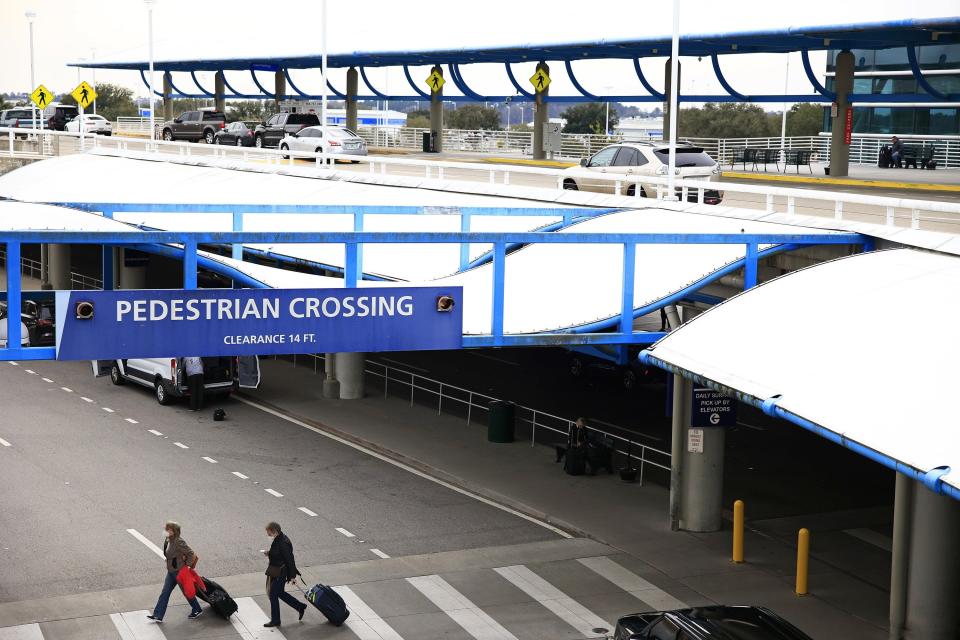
(324, 139)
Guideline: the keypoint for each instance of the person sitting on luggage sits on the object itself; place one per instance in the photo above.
(281, 570)
(178, 554)
(576, 437)
(896, 151)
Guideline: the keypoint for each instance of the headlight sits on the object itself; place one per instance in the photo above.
(716, 169)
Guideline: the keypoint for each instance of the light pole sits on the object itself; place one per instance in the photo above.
(93, 71)
(606, 120)
(783, 120)
(30, 14)
(323, 63)
(150, 4)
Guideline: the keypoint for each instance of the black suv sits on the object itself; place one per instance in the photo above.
(195, 126)
(269, 133)
(718, 622)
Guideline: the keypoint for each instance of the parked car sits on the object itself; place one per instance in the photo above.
(320, 139)
(270, 133)
(167, 378)
(718, 622)
(194, 126)
(601, 362)
(40, 317)
(638, 159)
(237, 134)
(24, 331)
(13, 118)
(92, 123)
(57, 115)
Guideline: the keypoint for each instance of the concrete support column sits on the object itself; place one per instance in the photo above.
(130, 275)
(331, 386)
(702, 480)
(279, 88)
(219, 91)
(350, 375)
(351, 102)
(541, 115)
(59, 266)
(667, 82)
(167, 100)
(842, 85)
(900, 553)
(933, 582)
(679, 419)
(436, 115)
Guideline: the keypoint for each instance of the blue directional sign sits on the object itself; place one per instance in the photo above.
(712, 409)
(101, 325)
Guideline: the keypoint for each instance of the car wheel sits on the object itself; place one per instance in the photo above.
(216, 140)
(629, 379)
(576, 367)
(632, 190)
(115, 376)
(208, 136)
(643, 192)
(168, 135)
(284, 147)
(162, 392)
(258, 142)
(570, 185)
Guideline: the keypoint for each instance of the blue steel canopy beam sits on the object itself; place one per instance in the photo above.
(366, 81)
(226, 83)
(576, 84)
(286, 74)
(516, 84)
(337, 94)
(195, 208)
(181, 93)
(253, 74)
(715, 60)
(193, 76)
(643, 80)
(819, 88)
(146, 83)
(918, 75)
(413, 85)
(462, 85)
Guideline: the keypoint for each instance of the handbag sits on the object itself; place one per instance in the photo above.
(188, 579)
(275, 571)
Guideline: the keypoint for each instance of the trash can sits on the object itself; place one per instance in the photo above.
(427, 142)
(500, 421)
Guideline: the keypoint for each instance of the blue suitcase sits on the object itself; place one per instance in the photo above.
(328, 602)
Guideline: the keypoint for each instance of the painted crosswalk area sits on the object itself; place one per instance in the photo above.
(573, 598)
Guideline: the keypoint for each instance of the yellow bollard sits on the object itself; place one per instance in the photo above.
(738, 531)
(803, 561)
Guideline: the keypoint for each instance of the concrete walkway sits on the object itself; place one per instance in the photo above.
(629, 517)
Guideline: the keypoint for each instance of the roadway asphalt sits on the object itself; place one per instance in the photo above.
(85, 465)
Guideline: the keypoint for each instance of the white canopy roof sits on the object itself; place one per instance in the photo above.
(834, 342)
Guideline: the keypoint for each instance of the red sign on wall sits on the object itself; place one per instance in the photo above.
(848, 126)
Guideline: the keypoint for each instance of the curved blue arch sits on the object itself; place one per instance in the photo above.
(253, 74)
(366, 81)
(918, 74)
(336, 93)
(286, 74)
(715, 60)
(516, 84)
(146, 83)
(819, 88)
(172, 251)
(226, 83)
(193, 76)
(416, 89)
(646, 85)
(576, 83)
(458, 80)
(181, 93)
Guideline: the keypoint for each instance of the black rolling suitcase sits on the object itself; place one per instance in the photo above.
(328, 602)
(575, 462)
(218, 599)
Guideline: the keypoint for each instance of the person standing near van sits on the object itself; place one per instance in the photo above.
(282, 568)
(178, 555)
(194, 368)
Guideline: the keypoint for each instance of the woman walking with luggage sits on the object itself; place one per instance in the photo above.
(281, 570)
(178, 555)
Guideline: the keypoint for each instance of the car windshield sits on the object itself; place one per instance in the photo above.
(686, 157)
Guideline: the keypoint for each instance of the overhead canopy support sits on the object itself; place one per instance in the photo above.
(576, 84)
(193, 76)
(182, 93)
(146, 83)
(723, 81)
(462, 85)
(819, 88)
(413, 85)
(366, 81)
(267, 94)
(657, 95)
(516, 84)
(226, 83)
(918, 75)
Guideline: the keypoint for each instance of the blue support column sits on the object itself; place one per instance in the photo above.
(107, 268)
(750, 267)
(13, 295)
(358, 227)
(189, 265)
(464, 246)
(236, 249)
(626, 304)
(351, 271)
(499, 266)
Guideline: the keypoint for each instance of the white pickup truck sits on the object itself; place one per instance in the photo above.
(167, 378)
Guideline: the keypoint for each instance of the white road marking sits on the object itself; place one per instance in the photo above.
(379, 554)
(85, 399)
(633, 584)
(345, 532)
(133, 625)
(21, 632)
(308, 512)
(131, 421)
(407, 468)
(453, 603)
(146, 541)
(48, 380)
(154, 432)
(67, 389)
(16, 364)
(108, 409)
(209, 459)
(275, 494)
(249, 620)
(181, 445)
(240, 475)
(31, 372)
(562, 605)
(4, 442)
(363, 620)
(872, 537)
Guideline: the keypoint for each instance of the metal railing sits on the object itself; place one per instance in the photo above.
(33, 269)
(448, 395)
(135, 126)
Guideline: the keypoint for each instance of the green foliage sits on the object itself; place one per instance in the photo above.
(113, 101)
(472, 116)
(418, 121)
(249, 110)
(588, 118)
(804, 120)
(726, 120)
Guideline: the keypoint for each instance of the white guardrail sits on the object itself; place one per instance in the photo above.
(886, 210)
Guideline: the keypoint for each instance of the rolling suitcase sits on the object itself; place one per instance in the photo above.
(218, 599)
(328, 602)
(575, 462)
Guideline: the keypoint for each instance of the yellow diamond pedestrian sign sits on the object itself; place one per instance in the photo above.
(435, 81)
(41, 96)
(540, 80)
(84, 94)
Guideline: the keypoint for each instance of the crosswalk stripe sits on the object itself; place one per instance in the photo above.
(249, 620)
(133, 625)
(363, 620)
(21, 632)
(562, 605)
(453, 603)
(633, 584)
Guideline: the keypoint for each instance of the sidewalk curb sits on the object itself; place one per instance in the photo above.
(432, 471)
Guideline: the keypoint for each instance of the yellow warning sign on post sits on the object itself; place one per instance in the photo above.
(41, 97)
(84, 94)
(540, 80)
(435, 81)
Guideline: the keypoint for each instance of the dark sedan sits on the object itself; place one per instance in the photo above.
(236, 134)
(718, 622)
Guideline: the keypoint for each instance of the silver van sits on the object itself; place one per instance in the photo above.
(168, 379)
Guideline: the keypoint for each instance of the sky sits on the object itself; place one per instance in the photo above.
(68, 30)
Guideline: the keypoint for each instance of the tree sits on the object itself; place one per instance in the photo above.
(418, 119)
(804, 120)
(726, 120)
(113, 101)
(249, 110)
(473, 116)
(588, 118)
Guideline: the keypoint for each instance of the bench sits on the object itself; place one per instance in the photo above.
(798, 158)
(918, 156)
